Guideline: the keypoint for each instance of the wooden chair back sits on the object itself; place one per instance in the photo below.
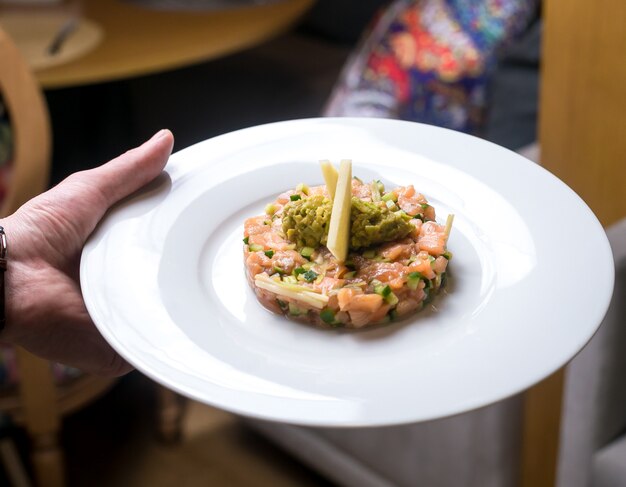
(29, 120)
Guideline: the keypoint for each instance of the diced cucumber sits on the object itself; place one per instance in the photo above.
(302, 188)
(437, 281)
(391, 196)
(391, 299)
(375, 191)
(413, 280)
(384, 291)
(270, 209)
(295, 197)
(307, 252)
(245, 240)
(349, 275)
(369, 254)
(295, 310)
(255, 247)
(391, 205)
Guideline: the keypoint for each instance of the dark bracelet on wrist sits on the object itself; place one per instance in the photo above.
(3, 268)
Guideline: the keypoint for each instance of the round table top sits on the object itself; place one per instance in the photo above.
(137, 40)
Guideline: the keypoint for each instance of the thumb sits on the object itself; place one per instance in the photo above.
(132, 170)
(82, 199)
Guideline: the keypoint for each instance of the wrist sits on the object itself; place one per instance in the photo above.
(15, 283)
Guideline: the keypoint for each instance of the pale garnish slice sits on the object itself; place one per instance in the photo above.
(339, 228)
(449, 226)
(293, 291)
(330, 177)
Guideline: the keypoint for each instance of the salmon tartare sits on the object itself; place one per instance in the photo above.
(395, 263)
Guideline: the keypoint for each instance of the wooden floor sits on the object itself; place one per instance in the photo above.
(114, 443)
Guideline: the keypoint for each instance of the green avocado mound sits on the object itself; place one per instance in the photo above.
(372, 224)
(305, 221)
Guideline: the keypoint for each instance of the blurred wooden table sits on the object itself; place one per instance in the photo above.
(137, 40)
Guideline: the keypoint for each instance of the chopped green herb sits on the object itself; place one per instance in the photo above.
(328, 316)
(295, 197)
(282, 304)
(310, 276)
(447, 254)
(269, 253)
(245, 240)
(299, 270)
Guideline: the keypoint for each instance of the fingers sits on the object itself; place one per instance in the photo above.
(127, 173)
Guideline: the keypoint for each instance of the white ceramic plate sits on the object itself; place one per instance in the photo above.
(531, 279)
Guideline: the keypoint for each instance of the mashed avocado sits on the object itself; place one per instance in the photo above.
(305, 221)
(373, 224)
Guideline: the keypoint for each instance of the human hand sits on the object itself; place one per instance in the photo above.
(45, 312)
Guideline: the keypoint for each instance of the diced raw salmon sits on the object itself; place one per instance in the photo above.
(256, 225)
(270, 240)
(432, 238)
(440, 265)
(257, 262)
(360, 190)
(345, 296)
(422, 265)
(397, 250)
(410, 201)
(287, 260)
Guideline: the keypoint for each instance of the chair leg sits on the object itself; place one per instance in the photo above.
(41, 418)
(48, 461)
(13, 464)
(171, 409)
